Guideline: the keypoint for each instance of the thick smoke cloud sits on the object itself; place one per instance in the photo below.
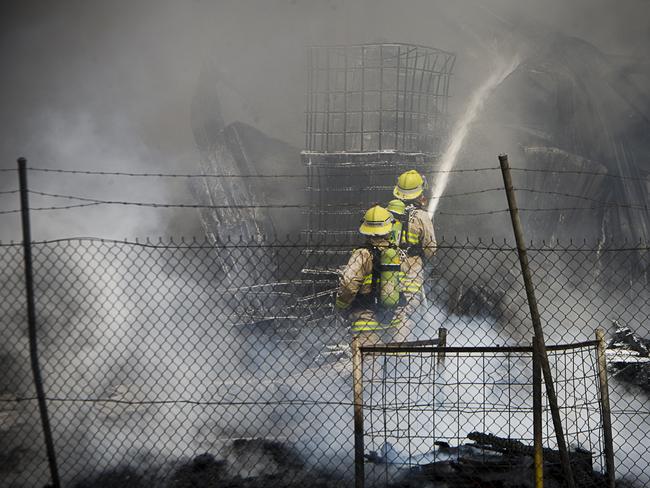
(108, 85)
(115, 79)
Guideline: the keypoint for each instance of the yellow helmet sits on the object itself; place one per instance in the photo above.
(396, 207)
(410, 185)
(376, 222)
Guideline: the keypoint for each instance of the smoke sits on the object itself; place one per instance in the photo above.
(149, 364)
(108, 85)
(130, 71)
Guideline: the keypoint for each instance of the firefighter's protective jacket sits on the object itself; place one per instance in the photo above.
(417, 241)
(356, 278)
(418, 233)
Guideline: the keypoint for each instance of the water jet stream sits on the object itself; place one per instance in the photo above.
(483, 92)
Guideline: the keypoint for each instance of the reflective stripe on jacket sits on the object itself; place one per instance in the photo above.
(356, 278)
(369, 325)
(418, 231)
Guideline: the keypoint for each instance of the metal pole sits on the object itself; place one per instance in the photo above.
(357, 380)
(537, 417)
(537, 323)
(31, 320)
(610, 473)
(442, 342)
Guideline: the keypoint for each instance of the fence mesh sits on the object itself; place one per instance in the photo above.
(191, 364)
(466, 419)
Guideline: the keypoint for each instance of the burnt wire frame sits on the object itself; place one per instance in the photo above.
(462, 418)
(373, 112)
(155, 353)
(418, 408)
(375, 98)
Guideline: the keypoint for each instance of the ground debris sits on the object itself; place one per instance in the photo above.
(628, 357)
(624, 338)
(497, 462)
(252, 463)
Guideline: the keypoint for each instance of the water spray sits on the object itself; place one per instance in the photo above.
(502, 71)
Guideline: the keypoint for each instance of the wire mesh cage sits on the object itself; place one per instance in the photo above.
(376, 98)
(373, 112)
(464, 416)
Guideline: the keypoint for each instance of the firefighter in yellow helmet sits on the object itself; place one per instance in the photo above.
(369, 288)
(417, 244)
(398, 209)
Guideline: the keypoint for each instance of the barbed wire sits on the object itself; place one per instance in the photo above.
(62, 207)
(577, 172)
(227, 175)
(305, 175)
(234, 206)
(521, 209)
(176, 401)
(595, 207)
(448, 195)
(87, 201)
(166, 205)
(289, 242)
(472, 214)
(163, 175)
(240, 207)
(581, 197)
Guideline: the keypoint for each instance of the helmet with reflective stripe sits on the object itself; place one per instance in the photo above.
(396, 207)
(376, 222)
(410, 185)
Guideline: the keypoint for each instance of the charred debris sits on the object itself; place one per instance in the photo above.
(628, 357)
(486, 462)
(496, 462)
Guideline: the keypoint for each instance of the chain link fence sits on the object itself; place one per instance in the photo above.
(179, 364)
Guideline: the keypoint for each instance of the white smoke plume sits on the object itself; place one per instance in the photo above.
(107, 85)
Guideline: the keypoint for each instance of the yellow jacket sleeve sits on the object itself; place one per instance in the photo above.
(426, 234)
(359, 265)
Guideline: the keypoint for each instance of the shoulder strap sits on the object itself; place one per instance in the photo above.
(376, 261)
(407, 221)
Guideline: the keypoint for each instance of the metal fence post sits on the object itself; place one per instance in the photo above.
(537, 417)
(442, 343)
(357, 379)
(537, 323)
(610, 469)
(31, 321)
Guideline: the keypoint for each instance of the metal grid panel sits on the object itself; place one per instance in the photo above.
(377, 98)
(365, 185)
(475, 408)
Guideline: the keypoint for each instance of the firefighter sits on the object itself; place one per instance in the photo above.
(398, 209)
(417, 243)
(369, 290)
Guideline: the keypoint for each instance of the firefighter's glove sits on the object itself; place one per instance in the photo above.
(342, 308)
